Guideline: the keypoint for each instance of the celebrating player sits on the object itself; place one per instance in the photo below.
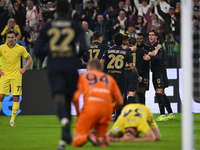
(101, 97)
(160, 80)
(137, 57)
(115, 60)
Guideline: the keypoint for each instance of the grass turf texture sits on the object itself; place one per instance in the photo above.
(43, 133)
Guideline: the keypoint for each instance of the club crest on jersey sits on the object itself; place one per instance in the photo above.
(15, 52)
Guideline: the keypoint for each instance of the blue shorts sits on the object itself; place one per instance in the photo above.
(63, 82)
(160, 79)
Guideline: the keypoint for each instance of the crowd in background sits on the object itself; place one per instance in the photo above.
(128, 17)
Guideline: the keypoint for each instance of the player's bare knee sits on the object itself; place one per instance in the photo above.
(15, 98)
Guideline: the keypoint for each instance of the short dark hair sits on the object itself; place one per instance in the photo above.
(10, 32)
(16, 34)
(62, 7)
(132, 41)
(118, 38)
(125, 37)
(140, 34)
(156, 33)
(97, 35)
(94, 64)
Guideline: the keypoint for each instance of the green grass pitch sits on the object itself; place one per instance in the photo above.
(43, 133)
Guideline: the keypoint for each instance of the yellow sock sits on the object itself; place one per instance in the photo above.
(0, 105)
(15, 109)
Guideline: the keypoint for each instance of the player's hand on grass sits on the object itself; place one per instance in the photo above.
(76, 118)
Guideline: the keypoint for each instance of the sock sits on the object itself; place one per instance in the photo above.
(15, 109)
(60, 110)
(130, 100)
(80, 140)
(118, 112)
(161, 103)
(141, 98)
(167, 104)
(0, 105)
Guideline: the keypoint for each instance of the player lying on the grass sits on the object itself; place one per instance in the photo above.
(134, 119)
(101, 97)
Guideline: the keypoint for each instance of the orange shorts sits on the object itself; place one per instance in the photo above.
(95, 115)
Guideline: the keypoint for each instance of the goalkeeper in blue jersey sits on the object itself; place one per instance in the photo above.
(134, 119)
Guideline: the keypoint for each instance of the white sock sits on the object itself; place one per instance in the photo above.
(171, 114)
(162, 115)
(11, 120)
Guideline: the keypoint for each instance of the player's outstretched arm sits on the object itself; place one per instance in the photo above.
(135, 72)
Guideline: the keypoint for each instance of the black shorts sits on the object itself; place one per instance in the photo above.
(160, 79)
(121, 87)
(63, 82)
(132, 83)
(145, 82)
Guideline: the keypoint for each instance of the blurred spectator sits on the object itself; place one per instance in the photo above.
(153, 20)
(101, 25)
(131, 31)
(21, 7)
(196, 54)
(86, 1)
(196, 16)
(172, 24)
(108, 11)
(78, 5)
(32, 16)
(141, 8)
(48, 12)
(101, 7)
(73, 15)
(120, 25)
(88, 12)
(113, 3)
(196, 5)
(115, 13)
(128, 7)
(138, 22)
(19, 17)
(11, 11)
(172, 50)
(11, 26)
(88, 33)
(164, 7)
(3, 17)
(19, 41)
(33, 36)
(177, 10)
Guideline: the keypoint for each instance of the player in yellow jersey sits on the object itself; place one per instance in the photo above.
(11, 72)
(134, 119)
